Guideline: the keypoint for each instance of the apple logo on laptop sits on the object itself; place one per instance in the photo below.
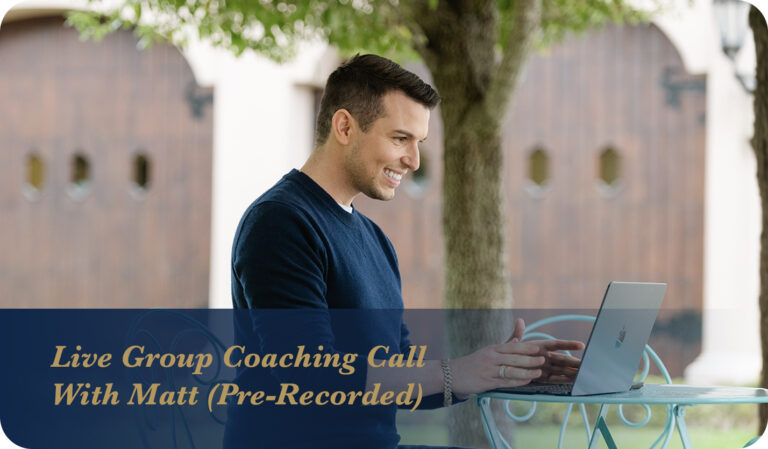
(622, 334)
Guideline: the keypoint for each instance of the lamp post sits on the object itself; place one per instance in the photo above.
(732, 18)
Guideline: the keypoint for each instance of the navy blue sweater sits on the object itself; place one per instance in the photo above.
(296, 248)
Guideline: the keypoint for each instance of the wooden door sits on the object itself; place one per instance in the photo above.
(105, 172)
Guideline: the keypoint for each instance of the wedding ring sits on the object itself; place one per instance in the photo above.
(501, 371)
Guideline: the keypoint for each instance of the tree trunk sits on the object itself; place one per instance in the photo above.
(473, 226)
(760, 145)
(473, 214)
(460, 52)
(473, 222)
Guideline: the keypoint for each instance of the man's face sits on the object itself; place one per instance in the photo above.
(379, 158)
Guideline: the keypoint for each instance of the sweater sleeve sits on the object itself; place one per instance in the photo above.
(278, 259)
(279, 262)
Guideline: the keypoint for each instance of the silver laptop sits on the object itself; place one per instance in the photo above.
(615, 346)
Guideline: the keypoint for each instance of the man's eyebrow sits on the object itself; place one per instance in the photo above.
(408, 134)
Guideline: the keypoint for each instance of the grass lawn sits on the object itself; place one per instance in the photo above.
(726, 426)
(629, 438)
(545, 437)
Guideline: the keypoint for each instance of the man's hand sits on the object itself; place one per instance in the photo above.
(522, 362)
(558, 367)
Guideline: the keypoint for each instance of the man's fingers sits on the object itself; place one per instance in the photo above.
(512, 347)
(556, 358)
(561, 345)
(525, 361)
(515, 373)
(518, 331)
(539, 346)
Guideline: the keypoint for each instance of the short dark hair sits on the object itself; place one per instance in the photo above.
(358, 86)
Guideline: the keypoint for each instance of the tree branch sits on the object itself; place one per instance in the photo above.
(410, 15)
(526, 18)
(418, 16)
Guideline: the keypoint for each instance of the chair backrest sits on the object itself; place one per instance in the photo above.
(177, 331)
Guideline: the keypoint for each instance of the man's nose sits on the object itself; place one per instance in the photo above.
(411, 158)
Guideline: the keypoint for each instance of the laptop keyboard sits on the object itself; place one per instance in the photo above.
(558, 389)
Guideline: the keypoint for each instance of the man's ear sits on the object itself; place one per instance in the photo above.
(342, 126)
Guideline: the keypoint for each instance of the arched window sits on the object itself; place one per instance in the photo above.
(420, 179)
(538, 171)
(538, 167)
(35, 176)
(80, 176)
(141, 175)
(141, 171)
(609, 171)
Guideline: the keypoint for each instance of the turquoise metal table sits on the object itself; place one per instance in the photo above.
(675, 397)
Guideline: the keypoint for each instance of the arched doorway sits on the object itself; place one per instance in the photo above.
(118, 144)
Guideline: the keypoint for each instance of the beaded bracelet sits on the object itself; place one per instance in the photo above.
(447, 380)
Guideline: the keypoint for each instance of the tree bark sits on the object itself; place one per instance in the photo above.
(460, 52)
(760, 146)
(473, 226)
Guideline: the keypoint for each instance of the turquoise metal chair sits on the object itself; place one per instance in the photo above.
(532, 331)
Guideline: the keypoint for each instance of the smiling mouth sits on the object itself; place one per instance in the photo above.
(394, 176)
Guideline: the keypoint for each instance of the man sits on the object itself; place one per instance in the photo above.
(302, 245)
